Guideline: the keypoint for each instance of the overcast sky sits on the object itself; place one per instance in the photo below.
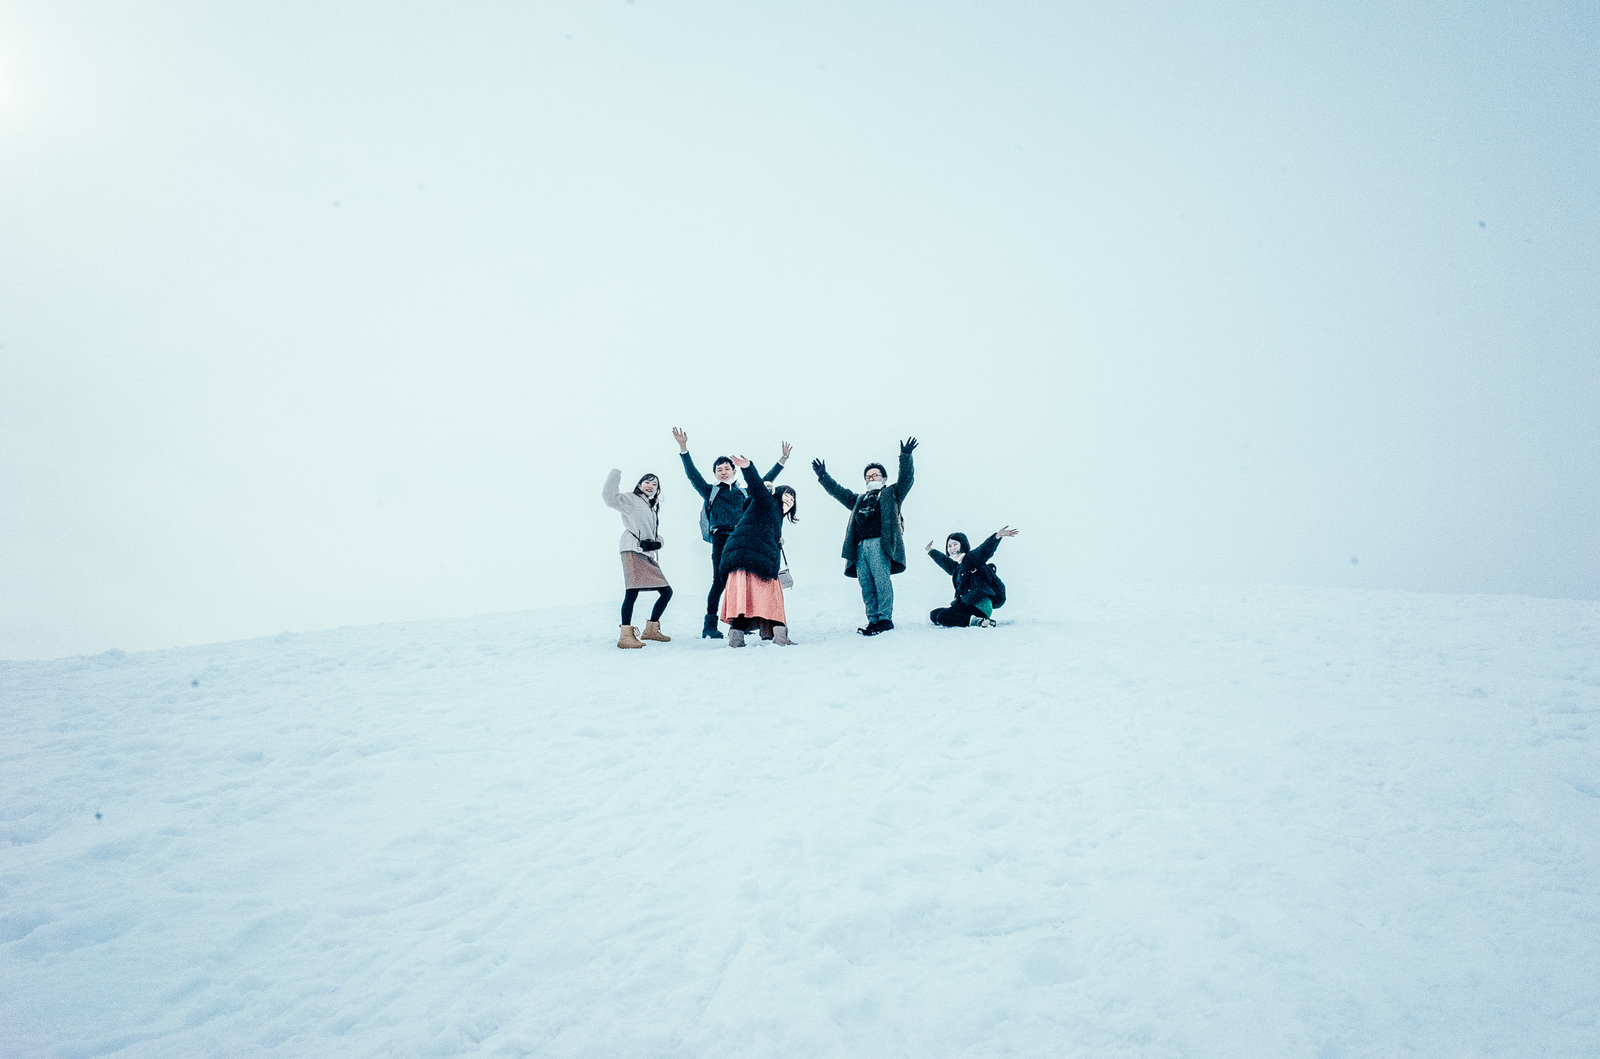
(315, 314)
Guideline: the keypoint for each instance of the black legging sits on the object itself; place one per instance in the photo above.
(719, 580)
(655, 612)
(956, 615)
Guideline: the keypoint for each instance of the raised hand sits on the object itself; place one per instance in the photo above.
(1005, 531)
(681, 438)
(787, 448)
(741, 462)
(907, 445)
(818, 466)
(930, 546)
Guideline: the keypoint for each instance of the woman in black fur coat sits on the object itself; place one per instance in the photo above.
(753, 598)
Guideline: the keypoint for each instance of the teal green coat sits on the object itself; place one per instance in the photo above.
(894, 545)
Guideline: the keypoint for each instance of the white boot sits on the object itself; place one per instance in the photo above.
(780, 636)
(735, 637)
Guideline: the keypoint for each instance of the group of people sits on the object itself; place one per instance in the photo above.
(743, 523)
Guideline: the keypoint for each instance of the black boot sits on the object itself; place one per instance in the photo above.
(710, 632)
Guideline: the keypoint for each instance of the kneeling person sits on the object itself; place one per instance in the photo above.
(978, 590)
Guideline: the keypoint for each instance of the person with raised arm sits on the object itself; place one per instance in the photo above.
(640, 548)
(722, 504)
(979, 589)
(752, 596)
(874, 544)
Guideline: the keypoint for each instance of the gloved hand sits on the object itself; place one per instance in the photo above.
(819, 467)
(650, 546)
(907, 445)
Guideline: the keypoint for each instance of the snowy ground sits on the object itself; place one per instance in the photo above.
(1208, 822)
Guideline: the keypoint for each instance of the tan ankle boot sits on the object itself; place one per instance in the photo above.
(780, 636)
(628, 639)
(652, 631)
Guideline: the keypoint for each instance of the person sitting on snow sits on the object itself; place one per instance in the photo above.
(978, 590)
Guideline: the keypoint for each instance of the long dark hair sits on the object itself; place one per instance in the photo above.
(793, 514)
(653, 501)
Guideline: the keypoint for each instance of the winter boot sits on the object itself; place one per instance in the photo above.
(628, 637)
(709, 632)
(780, 636)
(735, 637)
(652, 631)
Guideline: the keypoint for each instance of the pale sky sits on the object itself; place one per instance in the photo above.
(320, 314)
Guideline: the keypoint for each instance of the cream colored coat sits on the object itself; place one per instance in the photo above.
(640, 521)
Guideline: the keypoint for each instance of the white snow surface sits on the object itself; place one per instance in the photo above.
(1152, 822)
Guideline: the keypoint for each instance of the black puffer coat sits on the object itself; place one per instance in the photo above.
(753, 545)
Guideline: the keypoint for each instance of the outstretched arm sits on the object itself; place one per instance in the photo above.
(902, 484)
(755, 487)
(833, 488)
(778, 467)
(699, 483)
(611, 492)
(947, 564)
(985, 551)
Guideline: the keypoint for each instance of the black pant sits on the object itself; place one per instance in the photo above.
(957, 615)
(655, 611)
(719, 580)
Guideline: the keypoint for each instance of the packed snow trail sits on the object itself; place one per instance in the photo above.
(1193, 822)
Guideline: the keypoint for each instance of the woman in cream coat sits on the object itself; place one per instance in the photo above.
(641, 572)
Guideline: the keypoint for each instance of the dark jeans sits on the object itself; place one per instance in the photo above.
(956, 615)
(719, 580)
(655, 611)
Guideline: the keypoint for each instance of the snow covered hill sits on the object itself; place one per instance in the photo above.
(1196, 822)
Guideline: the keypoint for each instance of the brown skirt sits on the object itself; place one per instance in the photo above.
(641, 571)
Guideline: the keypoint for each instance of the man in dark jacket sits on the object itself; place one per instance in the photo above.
(724, 503)
(874, 545)
(977, 590)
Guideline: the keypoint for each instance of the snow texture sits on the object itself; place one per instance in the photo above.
(1160, 822)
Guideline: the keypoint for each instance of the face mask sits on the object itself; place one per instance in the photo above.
(874, 486)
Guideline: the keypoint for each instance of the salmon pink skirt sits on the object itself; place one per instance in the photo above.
(749, 596)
